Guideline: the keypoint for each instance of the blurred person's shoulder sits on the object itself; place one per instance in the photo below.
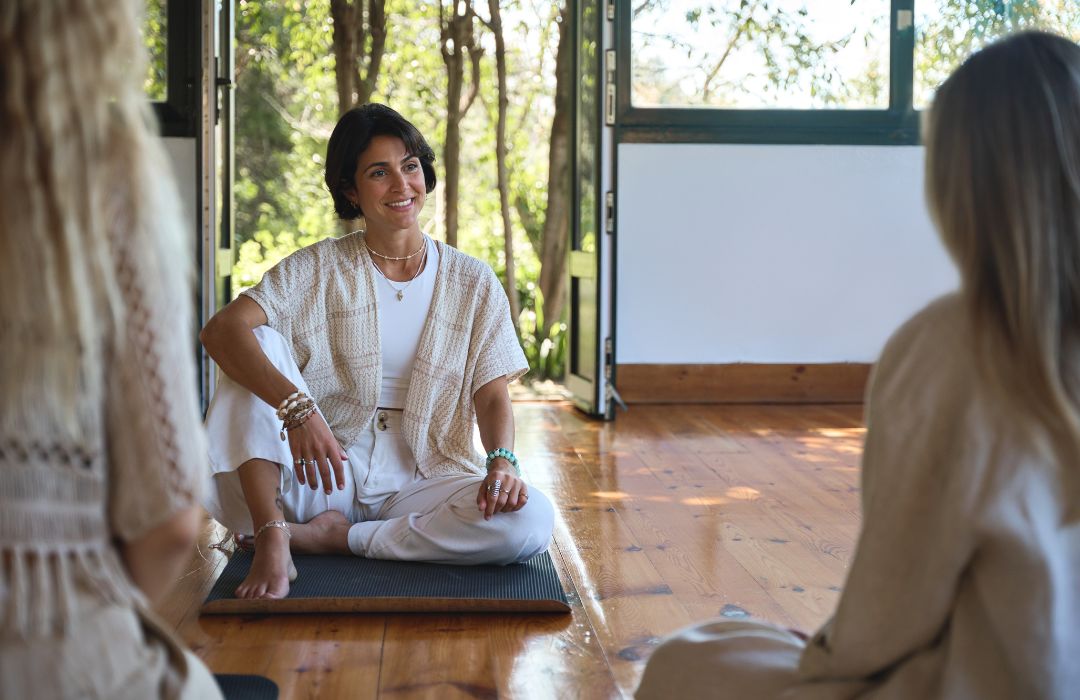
(930, 357)
(941, 329)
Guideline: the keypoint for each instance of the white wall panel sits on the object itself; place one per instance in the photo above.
(183, 156)
(736, 253)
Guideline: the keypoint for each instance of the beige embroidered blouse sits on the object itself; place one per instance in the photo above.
(323, 299)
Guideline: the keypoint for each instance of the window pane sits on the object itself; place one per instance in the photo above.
(948, 31)
(154, 36)
(761, 54)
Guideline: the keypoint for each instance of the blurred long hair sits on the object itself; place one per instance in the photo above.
(1003, 185)
(83, 180)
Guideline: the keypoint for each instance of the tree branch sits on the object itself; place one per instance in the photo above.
(377, 21)
(741, 25)
(475, 54)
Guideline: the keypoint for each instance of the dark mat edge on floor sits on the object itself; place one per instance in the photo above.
(237, 686)
(536, 588)
(368, 604)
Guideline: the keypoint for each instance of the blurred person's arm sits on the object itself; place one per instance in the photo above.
(155, 559)
(157, 458)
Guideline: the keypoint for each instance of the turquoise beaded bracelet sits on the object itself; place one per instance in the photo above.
(505, 454)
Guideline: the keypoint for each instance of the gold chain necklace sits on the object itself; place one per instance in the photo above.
(410, 256)
(401, 291)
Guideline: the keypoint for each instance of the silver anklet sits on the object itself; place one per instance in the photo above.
(279, 524)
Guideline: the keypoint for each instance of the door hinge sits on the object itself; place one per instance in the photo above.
(904, 20)
(611, 10)
(609, 97)
(609, 211)
(610, 392)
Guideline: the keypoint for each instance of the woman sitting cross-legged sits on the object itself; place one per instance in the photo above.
(355, 372)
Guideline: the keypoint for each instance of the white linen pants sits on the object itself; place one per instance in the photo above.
(396, 512)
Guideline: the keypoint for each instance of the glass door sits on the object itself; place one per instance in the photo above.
(589, 370)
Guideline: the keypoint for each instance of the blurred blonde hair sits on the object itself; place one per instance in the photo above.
(83, 180)
(1003, 185)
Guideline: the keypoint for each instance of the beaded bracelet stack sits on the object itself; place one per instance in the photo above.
(505, 454)
(294, 411)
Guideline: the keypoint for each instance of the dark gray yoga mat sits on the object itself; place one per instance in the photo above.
(353, 584)
(241, 687)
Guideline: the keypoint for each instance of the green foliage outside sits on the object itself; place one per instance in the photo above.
(767, 51)
(780, 54)
(154, 40)
(758, 54)
(949, 32)
(287, 106)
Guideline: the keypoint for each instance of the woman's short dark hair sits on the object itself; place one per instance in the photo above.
(352, 136)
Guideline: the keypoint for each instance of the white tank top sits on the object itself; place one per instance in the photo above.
(401, 321)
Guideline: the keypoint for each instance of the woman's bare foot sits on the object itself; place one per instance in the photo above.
(326, 533)
(271, 569)
(247, 543)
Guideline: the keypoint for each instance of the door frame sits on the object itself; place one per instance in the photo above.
(594, 396)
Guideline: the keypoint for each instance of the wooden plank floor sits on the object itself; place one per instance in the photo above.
(670, 514)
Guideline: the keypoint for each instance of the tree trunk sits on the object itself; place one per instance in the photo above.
(500, 159)
(457, 41)
(357, 60)
(555, 240)
(455, 76)
(345, 21)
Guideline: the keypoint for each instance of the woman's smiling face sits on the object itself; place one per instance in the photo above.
(389, 185)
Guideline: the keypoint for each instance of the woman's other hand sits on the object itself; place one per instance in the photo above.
(512, 493)
(316, 453)
(495, 418)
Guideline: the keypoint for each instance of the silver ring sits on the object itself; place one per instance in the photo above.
(302, 462)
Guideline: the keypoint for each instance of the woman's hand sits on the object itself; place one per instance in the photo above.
(315, 453)
(512, 495)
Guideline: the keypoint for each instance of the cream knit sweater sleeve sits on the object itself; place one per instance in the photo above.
(498, 348)
(284, 288)
(156, 444)
(925, 448)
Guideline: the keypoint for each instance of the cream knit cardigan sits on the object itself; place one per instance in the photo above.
(322, 298)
